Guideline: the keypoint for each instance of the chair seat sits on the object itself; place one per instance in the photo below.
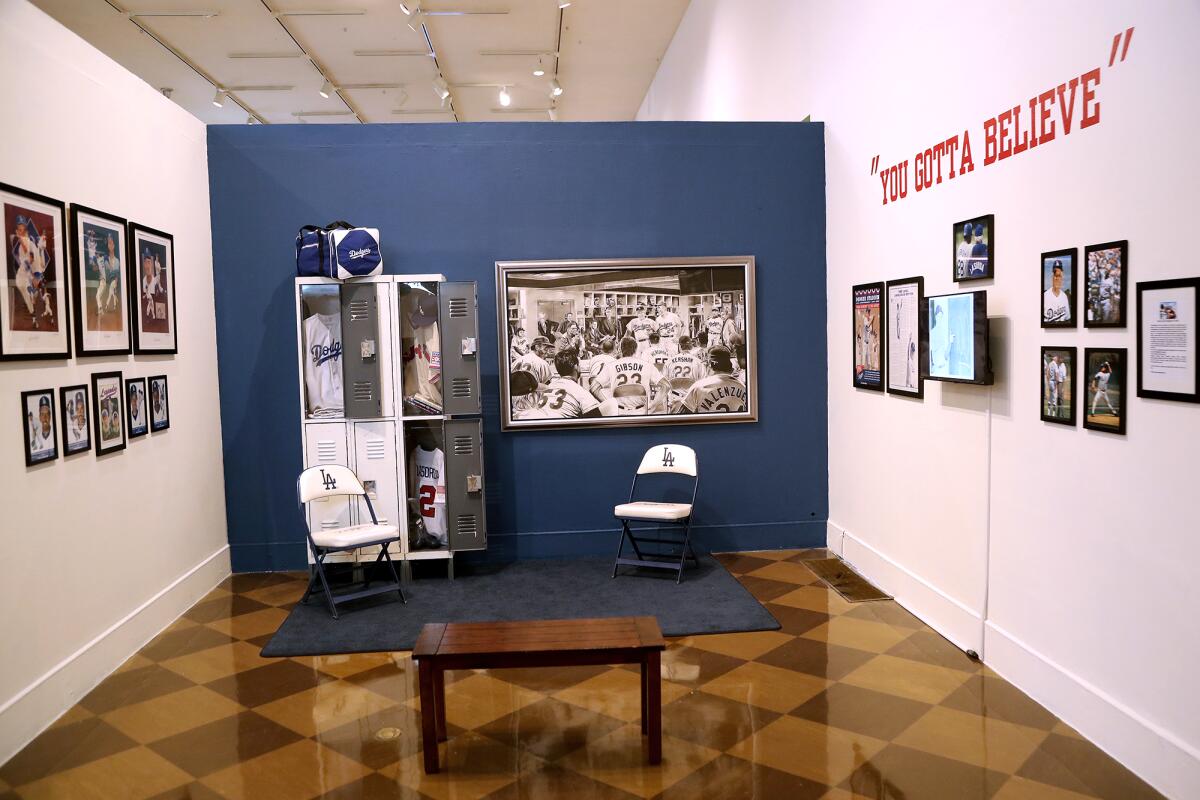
(355, 535)
(646, 509)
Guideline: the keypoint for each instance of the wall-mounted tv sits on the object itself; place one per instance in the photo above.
(954, 338)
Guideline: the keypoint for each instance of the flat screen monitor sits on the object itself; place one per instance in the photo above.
(954, 338)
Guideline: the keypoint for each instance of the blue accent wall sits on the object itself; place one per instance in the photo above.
(455, 199)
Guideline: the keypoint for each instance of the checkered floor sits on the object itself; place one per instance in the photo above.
(845, 701)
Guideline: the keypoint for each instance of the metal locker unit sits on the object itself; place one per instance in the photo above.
(464, 484)
(360, 351)
(325, 443)
(375, 465)
(459, 316)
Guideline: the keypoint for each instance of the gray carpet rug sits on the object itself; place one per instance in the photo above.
(709, 600)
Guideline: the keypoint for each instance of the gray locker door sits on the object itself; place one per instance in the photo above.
(464, 484)
(360, 350)
(459, 313)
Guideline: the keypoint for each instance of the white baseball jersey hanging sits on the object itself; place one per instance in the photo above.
(323, 365)
(422, 353)
(427, 471)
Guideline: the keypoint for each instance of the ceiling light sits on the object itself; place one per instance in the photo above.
(540, 69)
(552, 113)
(166, 91)
(416, 20)
(441, 87)
(326, 89)
(563, 5)
(250, 120)
(555, 88)
(407, 11)
(505, 97)
(446, 100)
(219, 98)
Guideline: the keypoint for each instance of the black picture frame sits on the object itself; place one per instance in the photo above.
(67, 401)
(1153, 286)
(79, 284)
(1044, 400)
(145, 343)
(107, 381)
(165, 396)
(859, 381)
(28, 421)
(134, 428)
(1120, 372)
(1123, 281)
(988, 221)
(1047, 259)
(13, 353)
(913, 352)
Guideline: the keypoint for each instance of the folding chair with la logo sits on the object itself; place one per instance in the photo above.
(669, 458)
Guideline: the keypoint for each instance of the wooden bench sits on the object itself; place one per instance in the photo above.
(540, 643)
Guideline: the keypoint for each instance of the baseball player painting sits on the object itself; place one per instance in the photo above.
(1057, 397)
(719, 392)
(1058, 282)
(974, 252)
(1105, 390)
(41, 439)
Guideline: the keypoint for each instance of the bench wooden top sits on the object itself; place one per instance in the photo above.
(538, 636)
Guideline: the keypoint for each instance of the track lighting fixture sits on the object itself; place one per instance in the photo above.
(441, 87)
(407, 11)
(552, 113)
(540, 69)
(505, 97)
(250, 120)
(416, 20)
(563, 5)
(326, 89)
(556, 89)
(219, 98)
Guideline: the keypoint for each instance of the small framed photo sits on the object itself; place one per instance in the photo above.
(136, 417)
(1107, 268)
(101, 278)
(1058, 288)
(1105, 382)
(108, 412)
(34, 314)
(1058, 385)
(867, 335)
(1168, 342)
(41, 428)
(904, 300)
(975, 248)
(76, 427)
(152, 290)
(160, 411)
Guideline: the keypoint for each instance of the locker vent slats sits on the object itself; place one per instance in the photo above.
(330, 523)
(363, 390)
(467, 524)
(463, 445)
(359, 310)
(326, 451)
(458, 307)
(376, 449)
(460, 387)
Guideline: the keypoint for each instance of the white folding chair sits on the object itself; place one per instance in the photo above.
(332, 480)
(671, 458)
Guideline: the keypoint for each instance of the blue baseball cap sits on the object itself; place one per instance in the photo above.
(966, 229)
(979, 230)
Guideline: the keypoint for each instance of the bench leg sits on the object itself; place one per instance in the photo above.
(645, 720)
(439, 695)
(429, 741)
(654, 705)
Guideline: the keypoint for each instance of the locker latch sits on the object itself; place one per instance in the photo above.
(367, 348)
(469, 347)
(474, 484)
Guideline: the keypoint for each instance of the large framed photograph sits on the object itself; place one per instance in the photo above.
(1058, 288)
(975, 248)
(152, 290)
(904, 299)
(867, 319)
(101, 280)
(137, 421)
(108, 412)
(1107, 270)
(1058, 385)
(160, 411)
(626, 342)
(41, 428)
(1105, 381)
(34, 316)
(76, 426)
(1168, 344)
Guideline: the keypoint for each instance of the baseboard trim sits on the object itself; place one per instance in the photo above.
(33, 709)
(960, 624)
(1157, 755)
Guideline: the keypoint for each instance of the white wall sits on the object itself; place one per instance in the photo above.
(99, 554)
(1086, 596)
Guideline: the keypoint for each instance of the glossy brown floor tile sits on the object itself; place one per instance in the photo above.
(845, 701)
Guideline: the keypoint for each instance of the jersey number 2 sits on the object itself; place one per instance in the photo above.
(428, 493)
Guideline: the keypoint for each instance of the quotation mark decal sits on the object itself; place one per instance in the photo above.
(1128, 37)
(874, 165)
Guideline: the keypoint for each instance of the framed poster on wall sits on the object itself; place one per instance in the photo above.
(1058, 288)
(152, 290)
(904, 300)
(1168, 343)
(1058, 385)
(868, 328)
(77, 430)
(101, 277)
(974, 242)
(41, 428)
(108, 412)
(34, 312)
(622, 342)
(1107, 276)
(1105, 381)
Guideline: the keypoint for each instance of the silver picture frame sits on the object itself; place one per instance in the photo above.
(707, 302)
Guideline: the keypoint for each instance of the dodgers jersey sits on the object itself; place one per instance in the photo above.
(640, 328)
(962, 258)
(323, 364)
(566, 399)
(1055, 307)
(1102, 381)
(41, 441)
(659, 356)
(422, 360)
(669, 325)
(427, 477)
(716, 393)
(533, 363)
(714, 326)
(634, 370)
(685, 365)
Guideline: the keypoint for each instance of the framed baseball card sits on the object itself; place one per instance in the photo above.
(626, 342)
(904, 300)
(1058, 385)
(136, 418)
(34, 306)
(76, 428)
(152, 290)
(868, 328)
(1168, 341)
(101, 279)
(1105, 382)
(974, 243)
(108, 412)
(1107, 268)
(41, 428)
(160, 412)
(1058, 288)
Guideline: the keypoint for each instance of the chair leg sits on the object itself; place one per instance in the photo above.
(312, 581)
(325, 585)
(386, 556)
(620, 544)
(684, 550)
